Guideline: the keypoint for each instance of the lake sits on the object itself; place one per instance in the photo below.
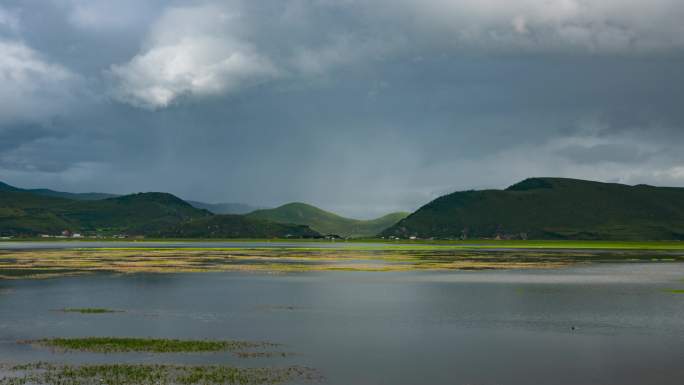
(588, 324)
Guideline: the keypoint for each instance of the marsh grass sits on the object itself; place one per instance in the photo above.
(131, 374)
(26, 264)
(149, 345)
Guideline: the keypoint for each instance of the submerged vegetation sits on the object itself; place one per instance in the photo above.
(149, 345)
(89, 310)
(128, 374)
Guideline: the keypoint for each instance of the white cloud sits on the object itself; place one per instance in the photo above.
(191, 51)
(32, 88)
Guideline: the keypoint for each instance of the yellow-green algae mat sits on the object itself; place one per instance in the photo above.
(49, 263)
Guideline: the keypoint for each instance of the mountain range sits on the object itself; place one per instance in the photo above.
(143, 214)
(57, 194)
(536, 208)
(32, 212)
(216, 208)
(551, 208)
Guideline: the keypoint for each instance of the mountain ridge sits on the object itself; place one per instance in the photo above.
(551, 208)
(326, 222)
(216, 208)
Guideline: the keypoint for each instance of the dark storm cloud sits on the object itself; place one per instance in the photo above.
(598, 153)
(362, 107)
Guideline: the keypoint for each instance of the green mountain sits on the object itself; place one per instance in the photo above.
(552, 208)
(150, 214)
(215, 208)
(235, 226)
(326, 222)
(25, 213)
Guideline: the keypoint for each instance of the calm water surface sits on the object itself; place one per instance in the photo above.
(508, 327)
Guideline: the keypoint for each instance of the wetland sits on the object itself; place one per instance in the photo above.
(359, 314)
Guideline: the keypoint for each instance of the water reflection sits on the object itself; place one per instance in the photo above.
(592, 324)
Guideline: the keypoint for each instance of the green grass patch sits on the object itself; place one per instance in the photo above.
(675, 291)
(151, 345)
(141, 374)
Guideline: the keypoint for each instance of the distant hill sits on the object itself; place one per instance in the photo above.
(58, 194)
(235, 226)
(225, 208)
(552, 208)
(151, 214)
(25, 213)
(326, 222)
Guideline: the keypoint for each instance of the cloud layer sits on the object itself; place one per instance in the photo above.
(359, 106)
(218, 48)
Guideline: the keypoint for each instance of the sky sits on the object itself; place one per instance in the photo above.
(359, 107)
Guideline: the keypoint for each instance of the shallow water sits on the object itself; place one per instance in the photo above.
(504, 327)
